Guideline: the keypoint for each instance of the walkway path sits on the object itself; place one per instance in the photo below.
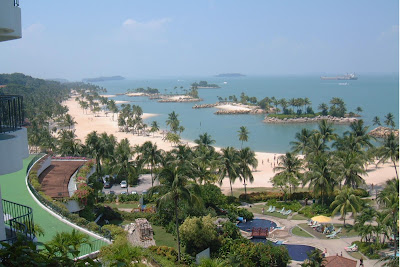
(13, 188)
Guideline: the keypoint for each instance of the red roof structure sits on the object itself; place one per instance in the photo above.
(339, 261)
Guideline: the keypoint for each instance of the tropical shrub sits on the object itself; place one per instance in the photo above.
(371, 250)
(198, 233)
(289, 205)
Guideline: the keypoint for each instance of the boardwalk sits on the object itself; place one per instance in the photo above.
(55, 178)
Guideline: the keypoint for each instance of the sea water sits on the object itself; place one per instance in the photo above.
(377, 95)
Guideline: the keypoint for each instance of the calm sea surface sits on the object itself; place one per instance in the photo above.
(376, 95)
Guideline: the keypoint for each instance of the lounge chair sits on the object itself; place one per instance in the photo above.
(282, 210)
(339, 230)
(287, 212)
(273, 209)
(269, 209)
(333, 235)
(311, 222)
(316, 225)
(351, 248)
(280, 242)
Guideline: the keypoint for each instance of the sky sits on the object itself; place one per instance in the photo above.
(78, 39)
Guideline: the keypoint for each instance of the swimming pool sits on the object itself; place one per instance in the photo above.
(296, 252)
(247, 226)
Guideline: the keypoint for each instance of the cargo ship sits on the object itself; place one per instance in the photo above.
(350, 76)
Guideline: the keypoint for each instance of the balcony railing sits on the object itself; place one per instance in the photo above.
(19, 219)
(11, 113)
(16, 2)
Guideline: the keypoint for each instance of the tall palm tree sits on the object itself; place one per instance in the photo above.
(360, 131)
(243, 134)
(349, 166)
(173, 121)
(302, 139)
(290, 168)
(66, 243)
(154, 127)
(205, 163)
(205, 139)
(123, 166)
(324, 108)
(390, 120)
(315, 259)
(346, 201)
(376, 121)
(390, 150)
(327, 131)
(175, 187)
(151, 155)
(247, 158)
(320, 177)
(229, 165)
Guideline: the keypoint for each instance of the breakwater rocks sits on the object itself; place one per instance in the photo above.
(180, 100)
(332, 119)
(205, 106)
(382, 132)
(239, 111)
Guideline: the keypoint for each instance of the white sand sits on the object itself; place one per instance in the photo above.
(178, 97)
(108, 96)
(87, 123)
(121, 102)
(134, 94)
(233, 107)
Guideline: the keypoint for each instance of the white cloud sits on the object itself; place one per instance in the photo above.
(149, 25)
(34, 28)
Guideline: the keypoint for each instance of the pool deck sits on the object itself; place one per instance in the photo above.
(13, 188)
(333, 246)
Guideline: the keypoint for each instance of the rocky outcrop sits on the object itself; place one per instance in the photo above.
(331, 119)
(239, 111)
(382, 132)
(180, 100)
(140, 233)
(206, 105)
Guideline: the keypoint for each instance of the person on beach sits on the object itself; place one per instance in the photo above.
(361, 262)
(262, 211)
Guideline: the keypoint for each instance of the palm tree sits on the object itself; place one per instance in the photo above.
(302, 139)
(154, 127)
(173, 121)
(152, 156)
(65, 243)
(205, 140)
(290, 168)
(346, 201)
(320, 176)
(315, 259)
(390, 150)
(359, 110)
(68, 121)
(376, 121)
(324, 108)
(205, 163)
(349, 166)
(174, 187)
(243, 134)
(247, 158)
(229, 165)
(361, 133)
(390, 120)
(123, 167)
(327, 131)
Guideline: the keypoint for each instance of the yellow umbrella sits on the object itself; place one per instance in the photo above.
(321, 219)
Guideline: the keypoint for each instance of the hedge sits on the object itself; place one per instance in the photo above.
(265, 196)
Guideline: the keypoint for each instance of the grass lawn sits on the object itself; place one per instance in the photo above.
(347, 231)
(356, 255)
(258, 209)
(299, 217)
(163, 238)
(300, 232)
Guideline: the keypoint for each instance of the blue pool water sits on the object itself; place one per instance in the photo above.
(246, 226)
(296, 252)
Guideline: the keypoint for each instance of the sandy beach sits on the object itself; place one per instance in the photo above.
(233, 107)
(87, 123)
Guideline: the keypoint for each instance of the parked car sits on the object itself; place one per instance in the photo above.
(144, 192)
(107, 185)
(124, 184)
(112, 192)
(123, 193)
(134, 193)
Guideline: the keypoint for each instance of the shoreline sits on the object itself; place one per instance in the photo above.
(334, 120)
(102, 122)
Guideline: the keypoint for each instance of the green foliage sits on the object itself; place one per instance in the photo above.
(130, 197)
(198, 233)
(120, 253)
(371, 250)
(116, 231)
(360, 192)
(212, 195)
(261, 196)
(169, 253)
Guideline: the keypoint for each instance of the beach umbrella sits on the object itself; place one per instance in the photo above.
(321, 219)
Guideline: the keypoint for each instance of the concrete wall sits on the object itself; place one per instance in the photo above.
(10, 21)
(46, 163)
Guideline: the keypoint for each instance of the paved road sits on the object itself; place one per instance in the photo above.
(144, 184)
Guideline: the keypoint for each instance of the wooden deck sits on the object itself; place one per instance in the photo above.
(55, 178)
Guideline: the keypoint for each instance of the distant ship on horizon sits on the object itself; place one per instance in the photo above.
(351, 76)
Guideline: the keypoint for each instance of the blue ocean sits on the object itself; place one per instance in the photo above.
(377, 95)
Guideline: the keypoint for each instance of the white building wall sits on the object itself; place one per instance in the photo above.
(10, 21)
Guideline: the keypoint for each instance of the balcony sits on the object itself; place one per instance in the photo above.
(18, 220)
(10, 20)
(13, 138)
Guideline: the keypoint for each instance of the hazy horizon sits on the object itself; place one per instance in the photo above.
(155, 39)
